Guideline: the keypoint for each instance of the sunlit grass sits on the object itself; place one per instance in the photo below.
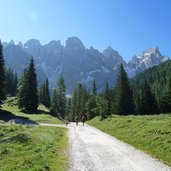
(43, 114)
(33, 148)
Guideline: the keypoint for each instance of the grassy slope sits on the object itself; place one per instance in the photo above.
(43, 114)
(32, 148)
(151, 134)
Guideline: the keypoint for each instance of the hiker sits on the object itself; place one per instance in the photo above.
(76, 120)
(66, 120)
(83, 119)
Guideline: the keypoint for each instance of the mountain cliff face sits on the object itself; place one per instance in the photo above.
(148, 59)
(76, 63)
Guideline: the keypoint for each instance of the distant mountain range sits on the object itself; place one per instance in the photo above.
(75, 62)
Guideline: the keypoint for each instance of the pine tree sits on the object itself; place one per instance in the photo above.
(61, 97)
(108, 98)
(94, 87)
(2, 75)
(90, 107)
(44, 95)
(102, 107)
(82, 99)
(11, 82)
(32, 103)
(41, 93)
(79, 99)
(47, 94)
(74, 105)
(91, 104)
(22, 91)
(123, 98)
(27, 89)
(15, 82)
(54, 106)
(165, 103)
(147, 103)
(68, 108)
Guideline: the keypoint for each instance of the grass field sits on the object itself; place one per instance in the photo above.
(32, 148)
(151, 134)
(10, 110)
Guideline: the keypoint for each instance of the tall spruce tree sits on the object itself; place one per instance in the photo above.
(82, 99)
(147, 103)
(47, 96)
(15, 83)
(54, 106)
(74, 105)
(101, 108)
(79, 99)
(90, 107)
(32, 103)
(61, 97)
(68, 108)
(41, 93)
(123, 98)
(11, 82)
(91, 104)
(22, 91)
(165, 103)
(108, 98)
(94, 87)
(44, 95)
(2, 75)
(27, 90)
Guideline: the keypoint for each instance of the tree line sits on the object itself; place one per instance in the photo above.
(8, 79)
(29, 96)
(127, 97)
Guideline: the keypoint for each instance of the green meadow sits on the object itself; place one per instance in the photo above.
(28, 147)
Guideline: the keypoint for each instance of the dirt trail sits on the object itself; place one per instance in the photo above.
(93, 150)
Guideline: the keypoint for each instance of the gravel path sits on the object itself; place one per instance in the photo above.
(93, 150)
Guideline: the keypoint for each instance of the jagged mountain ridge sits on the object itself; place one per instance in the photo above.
(75, 62)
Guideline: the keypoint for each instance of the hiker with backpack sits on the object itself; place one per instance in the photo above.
(76, 120)
(83, 119)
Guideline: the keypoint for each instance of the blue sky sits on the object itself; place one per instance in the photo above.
(128, 26)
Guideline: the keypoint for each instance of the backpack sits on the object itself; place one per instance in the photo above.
(83, 119)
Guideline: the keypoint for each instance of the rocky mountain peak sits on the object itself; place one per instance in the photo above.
(20, 44)
(74, 43)
(4, 44)
(54, 44)
(152, 52)
(112, 54)
(135, 59)
(11, 42)
(147, 59)
(76, 63)
(109, 52)
(32, 43)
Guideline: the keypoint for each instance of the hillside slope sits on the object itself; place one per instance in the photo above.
(157, 77)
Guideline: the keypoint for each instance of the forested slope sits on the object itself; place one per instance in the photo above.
(157, 78)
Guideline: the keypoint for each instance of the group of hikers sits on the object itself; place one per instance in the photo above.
(82, 119)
